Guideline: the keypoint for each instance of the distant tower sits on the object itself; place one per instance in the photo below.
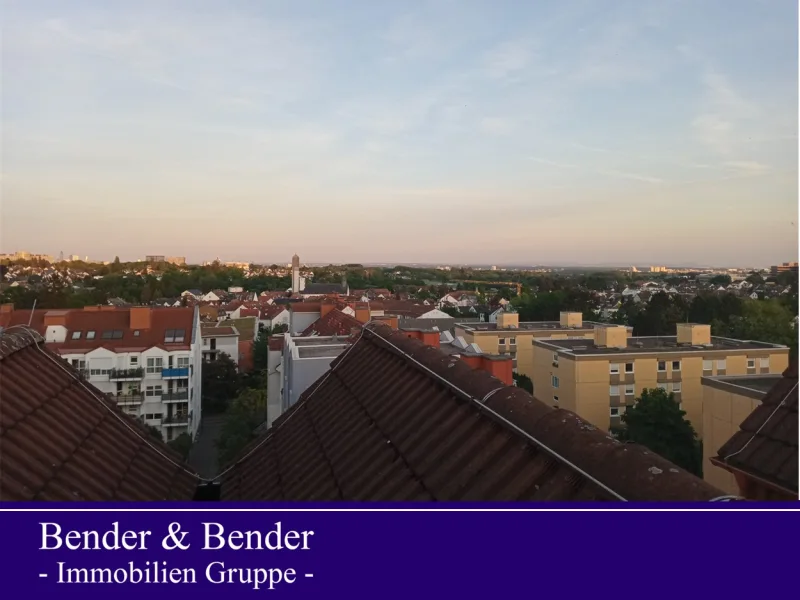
(61, 257)
(295, 274)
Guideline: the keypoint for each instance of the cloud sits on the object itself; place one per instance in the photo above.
(632, 176)
(748, 167)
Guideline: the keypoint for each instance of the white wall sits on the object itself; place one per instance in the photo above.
(299, 321)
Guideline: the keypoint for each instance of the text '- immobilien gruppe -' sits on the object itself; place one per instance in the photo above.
(152, 571)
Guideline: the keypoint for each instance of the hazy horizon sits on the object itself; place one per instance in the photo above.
(564, 133)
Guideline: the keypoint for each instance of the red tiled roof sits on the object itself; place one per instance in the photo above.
(405, 309)
(271, 311)
(766, 444)
(61, 440)
(218, 331)
(334, 323)
(305, 307)
(396, 420)
(248, 312)
(109, 318)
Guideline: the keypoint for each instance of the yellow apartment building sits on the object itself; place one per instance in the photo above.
(727, 402)
(598, 378)
(510, 336)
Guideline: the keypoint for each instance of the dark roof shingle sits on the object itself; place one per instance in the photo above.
(334, 323)
(396, 420)
(61, 440)
(766, 444)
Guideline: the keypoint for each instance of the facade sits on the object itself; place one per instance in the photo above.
(145, 359)
(220, 338)
(784, 268)
(597, 378)
(293, 364)
(727, 401)
(507, 335)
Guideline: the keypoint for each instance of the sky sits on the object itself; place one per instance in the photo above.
(561, 132)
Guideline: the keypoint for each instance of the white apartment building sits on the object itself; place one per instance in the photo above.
(147, 359)
(220, 338)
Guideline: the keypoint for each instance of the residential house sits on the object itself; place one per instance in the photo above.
(402, 437)
(146, 359)
(273, 316)
(598, 377)
(220, 338)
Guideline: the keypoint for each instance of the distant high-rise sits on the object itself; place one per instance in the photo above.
(295, 274)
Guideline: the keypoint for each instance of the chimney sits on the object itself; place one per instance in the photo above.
(141, 317)
(429, 338)
(362, 312)
(390, 320)
(501, 367)
(55, 317)
(327, 306)
(611, 337)
(571, 319)
(107, 308)
(275, 343)
(693, 334)
(6, 308)
(507, 319)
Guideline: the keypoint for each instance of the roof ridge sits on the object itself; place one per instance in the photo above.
(14, 341)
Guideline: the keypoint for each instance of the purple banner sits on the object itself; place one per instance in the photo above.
(391, 554)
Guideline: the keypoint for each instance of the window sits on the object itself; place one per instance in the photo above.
(554, 381)
(134, 361)
(676, 387)
(513, 341)
(676, 365)
(708, 365)
(629, 367)
(154, 365)
(613, 390)
(174, 336)
(183, 362)
(107, 334)
(613, 368)
(76, 335)
(501, 341)
(721, 364)
(116, 334)
(662, 366)
(90, 335)
(136, 333)
(662, 386)
(153, 390)
(152, 416)
(630, 390)
(614, 412)
(765, 362)
(751, 363)
(555, 399)
(555, 357)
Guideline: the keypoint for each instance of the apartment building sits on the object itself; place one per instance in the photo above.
(220, 339)
(293, 364)
(146, 359)
(510, 336)
(597, 378)
(727, 402)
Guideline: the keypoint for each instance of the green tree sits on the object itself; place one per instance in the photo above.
(524, 382)
(181, 444)
(261, 349)
(657, 422)
(246, 413)
(221, 383)
(723, 280)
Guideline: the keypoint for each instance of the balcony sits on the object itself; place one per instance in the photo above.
(175, 373)
(179, 396)
(127, 399)
(175, 420)
(126, 374)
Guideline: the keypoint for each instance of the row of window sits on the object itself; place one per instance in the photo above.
(172, 336)
(512, 341)
(158, 390)
(617, 411)
(154, 364)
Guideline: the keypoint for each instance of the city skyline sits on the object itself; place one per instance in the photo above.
(451, 132)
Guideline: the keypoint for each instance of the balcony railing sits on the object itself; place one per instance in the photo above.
(182, 396)
(127, 398)
(117, 374)
(176, 420)
(175, 372)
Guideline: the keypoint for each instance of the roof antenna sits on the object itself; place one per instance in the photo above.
(30, 319)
